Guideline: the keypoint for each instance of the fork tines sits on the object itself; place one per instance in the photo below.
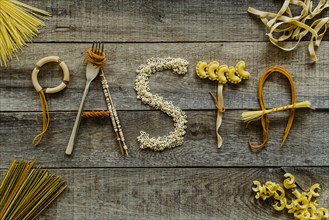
(98, 47)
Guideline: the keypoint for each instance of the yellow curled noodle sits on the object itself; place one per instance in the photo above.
(279, 206)
(289, 182)
(231, 75)
(323, 212)
(271, 188)
(221, 71)
(303, 206)
(212, 70)
(201, 69)
(313, 188)
(312, 209)
(302, 203)
(240, 66)
(258, 185)
(279, 193)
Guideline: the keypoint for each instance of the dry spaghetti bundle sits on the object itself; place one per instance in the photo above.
(26, 191)
(256, 115)
(19, 23)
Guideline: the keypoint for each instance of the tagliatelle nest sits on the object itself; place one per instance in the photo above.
(294, 27)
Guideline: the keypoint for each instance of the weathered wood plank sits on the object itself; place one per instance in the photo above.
(96, 146)
(188, 92)
(153, 21)
(185, 194)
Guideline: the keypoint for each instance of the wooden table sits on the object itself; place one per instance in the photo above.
(195, 180)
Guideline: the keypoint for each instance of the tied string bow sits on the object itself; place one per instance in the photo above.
(218, 103)
(263, 113)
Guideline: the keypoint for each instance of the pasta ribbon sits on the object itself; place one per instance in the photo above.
(287, 26)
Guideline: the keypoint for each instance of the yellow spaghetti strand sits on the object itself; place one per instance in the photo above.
(19, 23)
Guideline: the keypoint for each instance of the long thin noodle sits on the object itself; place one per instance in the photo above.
(263, 113)
(25, 190)
(19, 23)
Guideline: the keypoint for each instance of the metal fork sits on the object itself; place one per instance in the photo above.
(91, 73)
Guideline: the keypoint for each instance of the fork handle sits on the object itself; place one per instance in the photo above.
(75, 129)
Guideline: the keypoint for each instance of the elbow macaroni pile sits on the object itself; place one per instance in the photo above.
(303, 207)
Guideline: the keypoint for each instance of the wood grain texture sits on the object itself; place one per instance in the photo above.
(195, 181)
(153, 21)
(187, 92)
(97, 147)
(185, 194)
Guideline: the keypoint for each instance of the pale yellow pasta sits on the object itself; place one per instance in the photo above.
(313, 188)
(302, 214)
(279, 206)
(289, 182)
(312, 209)
(19, 24)
(240, 66)
(201, 69)
(279, 193)
(212, 70)
(323, 212)
(301, 203)
(258, 184)
(271, 187)
(296, 193)
(221, 71)
(261, 191)
(231, 75)
(303, 207)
